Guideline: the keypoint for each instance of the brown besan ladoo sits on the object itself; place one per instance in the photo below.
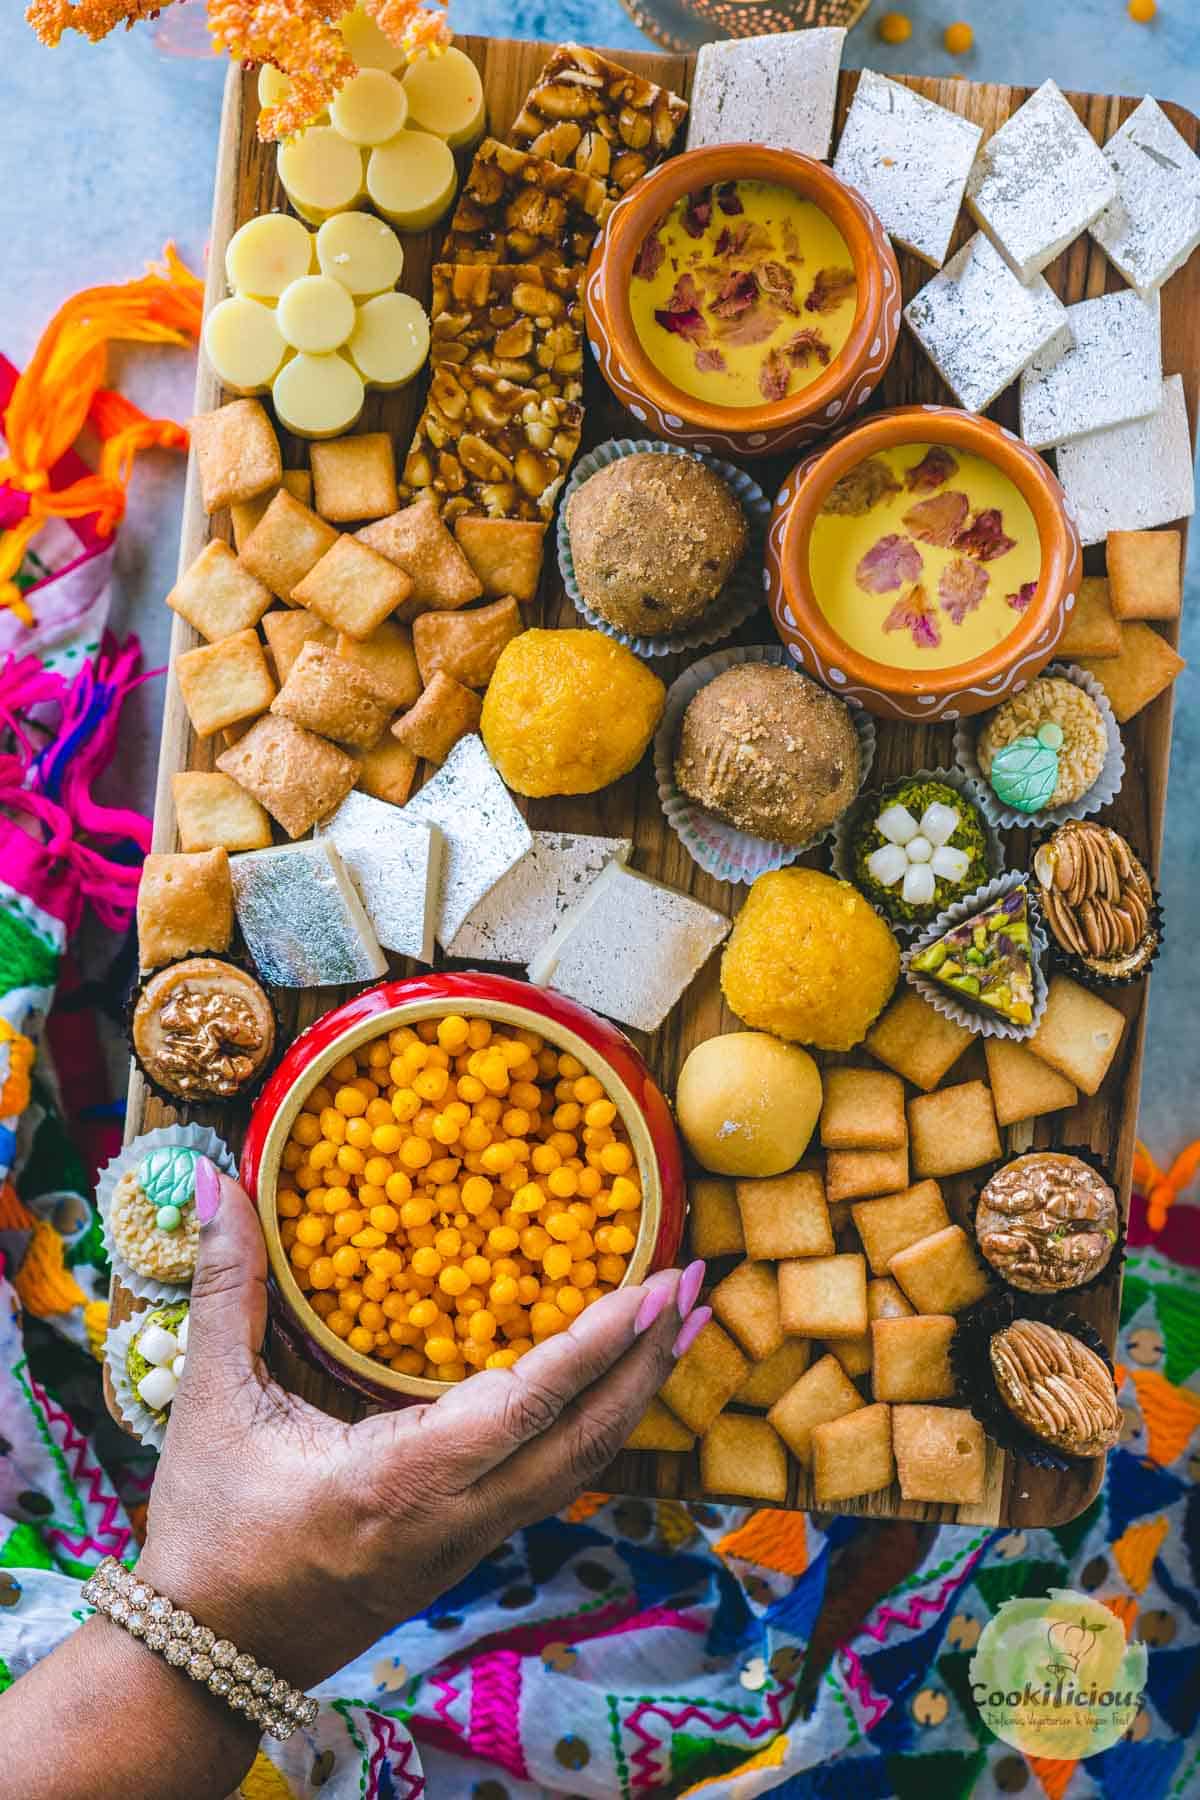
(770, 752)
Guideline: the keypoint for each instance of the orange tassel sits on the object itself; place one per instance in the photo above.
(43, 1281)
(1161, 1190)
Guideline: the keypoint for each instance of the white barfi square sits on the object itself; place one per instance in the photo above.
(301, 917)
(1153, 225)
(513, 922)
(1135, 476)
(484, 834)
(395, 863)
(979, 325)
(1111, 372)
(629, 948)
(1038, 182)
(910, 158)
(780, 91)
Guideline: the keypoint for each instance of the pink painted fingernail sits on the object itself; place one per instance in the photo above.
(691, 1331)
(688, 1291)
(208, 1191)
(649, 1310)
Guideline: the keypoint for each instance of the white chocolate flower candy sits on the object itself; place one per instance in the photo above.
(939, 823)
(177, 1366)
(888, 864)
(897, 824)
(919, 885)
(949, 864)
(158, 1345)
(918, 849)
(157, 1388)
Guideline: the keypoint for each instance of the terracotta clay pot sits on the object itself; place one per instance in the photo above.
(921, 695)
(605, 1053)
(801, 418)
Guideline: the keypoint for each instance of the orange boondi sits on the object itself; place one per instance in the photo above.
(451, 1195)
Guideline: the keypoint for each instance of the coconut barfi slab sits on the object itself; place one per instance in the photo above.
(1038, 182)
(1153, 225)
(484, 834)
(1111, 372)
(302, 918)
(1135, 476)
(513, 922)
(395, 863)
(980, 326)
(629, 948)
(779, 90)
(910, 158)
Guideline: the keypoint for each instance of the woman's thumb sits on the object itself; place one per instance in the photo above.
(229, 1289)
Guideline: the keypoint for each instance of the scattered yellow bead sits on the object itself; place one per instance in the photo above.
(895, 28)
(958, 38)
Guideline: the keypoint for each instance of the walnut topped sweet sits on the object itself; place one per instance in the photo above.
(1056, 1387)
(1047, 1222)
(203, 1029)
(1098, 899)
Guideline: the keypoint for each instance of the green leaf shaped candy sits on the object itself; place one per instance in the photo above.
(167, 1177)
(1024, 774)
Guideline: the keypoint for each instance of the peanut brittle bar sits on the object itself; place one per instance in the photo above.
(589, 114)
(517, 208)
(504, 411)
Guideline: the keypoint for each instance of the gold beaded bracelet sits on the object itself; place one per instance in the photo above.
(217, 1664)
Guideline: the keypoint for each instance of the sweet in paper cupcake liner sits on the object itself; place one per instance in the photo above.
(1103, 790)
(136, 1415)
(1069, 962)
(1116, 1256)
(167, 1137)
(720, 849)
(742, 594)
(943, 1000)
(845, 828)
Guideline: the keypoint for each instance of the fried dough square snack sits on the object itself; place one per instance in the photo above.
(504, 412)
(824, 1392)
(884, 1301)
(786, 1215)
(1145, 574)
(940, 1273)
(237, 453)
(1144, 668)
(747, 1304)
(506, 554)
(465, 645)
(184, 906)
(705, 1378)
(355, 477)
(218, 594)
(940, 1454)
(245, 514)
(288, 541)
(917, 1042)
(1023, 1086)
(287, 630)
(851, 1174)
(222, 683)
(824, 1296)
(854, 1353)
(714, 1222)
(298, 776)
(853, 1455)
(213, 812)
(333, 697)
(417, 541)
(863, 1109)
(770, 1379)
(353, 588)
(659, 1429)
(518, 208)
(387, 656)
(386, 771)
(911, 1358)
(897, 1220)
(1092, 629)
(1079, 1033)
(953, 1130)
(745, 1457)
(587, 113)
(445, 712)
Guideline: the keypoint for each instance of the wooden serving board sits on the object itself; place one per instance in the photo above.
(246, 185)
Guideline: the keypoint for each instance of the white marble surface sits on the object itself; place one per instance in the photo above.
(109, 151)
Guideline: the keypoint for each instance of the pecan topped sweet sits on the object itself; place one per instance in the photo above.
(1057, 1387)
(587, 113)
(1097, 899)
(203, 1029)
(1047, 1222)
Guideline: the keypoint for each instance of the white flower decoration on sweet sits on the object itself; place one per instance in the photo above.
(164, 1351)
(917, 853)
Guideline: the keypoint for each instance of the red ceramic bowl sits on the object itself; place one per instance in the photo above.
(604, 1051)
(801, 418)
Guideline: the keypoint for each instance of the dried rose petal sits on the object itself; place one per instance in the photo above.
(889, 564)
(776, 282)
(1024, 594)
(913, 613)
(758, 236)
(650, 257)
(687, 323)
(728, 198)
(731, 240)
(962, 587)
(735, 294)
(775, 376)
(830, 288)
(933, 471)
(697, 213)
(754, 326)
(806, 344)
(789, 238)
(685, 293)
(861, 488)
(710, 362)
(985, 537)
(939, 519)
